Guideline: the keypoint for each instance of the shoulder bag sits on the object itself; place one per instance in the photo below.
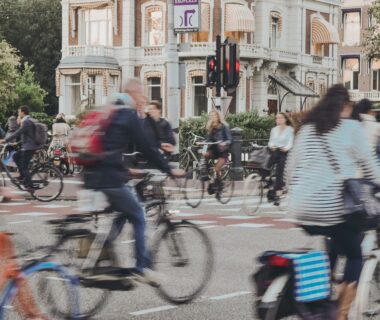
(361, 205)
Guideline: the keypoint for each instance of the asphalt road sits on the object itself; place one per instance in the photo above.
(237, 240)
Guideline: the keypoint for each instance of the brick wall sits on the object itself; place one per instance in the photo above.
(117, 39)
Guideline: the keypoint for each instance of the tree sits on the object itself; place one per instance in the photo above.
(17, 85)
(373, 32)
(34, 28)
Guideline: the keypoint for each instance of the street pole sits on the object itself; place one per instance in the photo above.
(218, 73)
(172, 71)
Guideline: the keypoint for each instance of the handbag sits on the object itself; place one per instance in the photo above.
(260, 158)
(361, 205)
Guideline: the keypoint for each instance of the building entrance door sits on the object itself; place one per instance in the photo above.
(272, 106)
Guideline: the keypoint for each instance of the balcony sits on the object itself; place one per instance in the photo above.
(370, 95)
(196, 49)
(84, 50)
(152, 51)
(285, 56)
(317, 60)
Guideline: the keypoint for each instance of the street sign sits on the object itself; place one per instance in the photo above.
(187, 15)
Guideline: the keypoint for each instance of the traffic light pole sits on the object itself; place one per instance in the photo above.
(218, 73)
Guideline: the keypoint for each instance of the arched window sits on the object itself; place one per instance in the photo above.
(204, 33)
(154, 21)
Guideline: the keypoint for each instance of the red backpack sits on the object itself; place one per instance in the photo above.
(87, 139)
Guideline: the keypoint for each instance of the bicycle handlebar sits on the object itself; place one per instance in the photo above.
(201, 143)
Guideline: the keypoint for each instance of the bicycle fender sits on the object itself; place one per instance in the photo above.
(276, 287)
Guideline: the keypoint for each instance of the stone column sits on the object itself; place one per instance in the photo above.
(65, 25)
(128, 39)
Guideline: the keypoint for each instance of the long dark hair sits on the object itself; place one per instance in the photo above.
(364, 106)
(326, 114)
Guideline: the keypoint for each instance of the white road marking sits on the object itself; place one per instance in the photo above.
(14, 204)
(201, 222)
(183, 214)
(208, 227)
(228, 209)
(152, 310)
(19, 222)
(52, 206)
(286, 220)
(4, 211)
(250, 225)
(127, 241)
(230, 295)
(35, 214)
(239, 217)
(57, 279)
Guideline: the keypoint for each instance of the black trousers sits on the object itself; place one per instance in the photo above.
(279, 158)
(22, 159)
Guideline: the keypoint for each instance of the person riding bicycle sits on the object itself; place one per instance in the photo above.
(328, 139)
(280, 142)
(217, 131)
(108, 175)
(60, 132)
(23, 157)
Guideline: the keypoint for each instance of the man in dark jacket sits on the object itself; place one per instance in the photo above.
(28, 145)
(108, 175)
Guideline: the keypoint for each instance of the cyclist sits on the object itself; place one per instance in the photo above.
(23, 157)
(108, 174)
(165, 132)
(60, 133)
(217, 131)
(328, 136)
(280, 142)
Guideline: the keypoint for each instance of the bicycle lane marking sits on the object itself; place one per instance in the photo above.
(152, 310)
(230, 295)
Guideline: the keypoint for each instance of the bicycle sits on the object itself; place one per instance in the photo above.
(17, 298)
(47, 181)
(196, 179)
(177, 247)
(257, 185)
(277, 300)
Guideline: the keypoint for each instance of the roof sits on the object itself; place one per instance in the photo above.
(293, 86)
(89, 62)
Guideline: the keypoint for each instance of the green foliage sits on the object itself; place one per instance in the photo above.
(34, 28)
(254, 126)
(373, 32)
(43, 118)
(28, 91)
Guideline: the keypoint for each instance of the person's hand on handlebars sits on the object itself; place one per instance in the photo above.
(2, 141)
(167, 147)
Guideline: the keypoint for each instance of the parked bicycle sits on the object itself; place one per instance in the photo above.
(196, 180)
(47, 181)
(181, 253)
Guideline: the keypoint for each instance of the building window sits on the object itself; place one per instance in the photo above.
(375, 67)
(352, 28)
(204, 32)
(72, 92)
(113, 85)
(200, 96)
(274, 32)
(154, 26)
(351, 69)
(154, 89)
(239, 37)
(322, 86)
(98, 27)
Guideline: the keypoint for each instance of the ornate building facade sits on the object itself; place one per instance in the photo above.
(106, 41)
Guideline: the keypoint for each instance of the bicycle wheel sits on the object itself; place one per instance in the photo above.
(72, 254)
(29, 300)
(367, 303)
(47, 183)
(194, 188)
(253, 194)
(225, 190)
(182, 254)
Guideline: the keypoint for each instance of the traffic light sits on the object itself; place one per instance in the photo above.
(211, 71)
(231, 66)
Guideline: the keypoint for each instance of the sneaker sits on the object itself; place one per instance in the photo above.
(148, 276)
(276, 201)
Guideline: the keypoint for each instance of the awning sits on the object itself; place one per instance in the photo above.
(205, 14)
(293, 86)
(89, 4)
(238, 18)
(323, 32)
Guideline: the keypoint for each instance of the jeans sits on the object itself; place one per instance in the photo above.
(22, 159)
(123, 200)
(345, 241)
(279, 157)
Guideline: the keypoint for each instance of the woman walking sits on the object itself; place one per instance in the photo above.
(329, 149)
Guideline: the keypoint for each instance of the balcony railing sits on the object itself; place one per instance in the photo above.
(196, 49)
(84, 50)
(153, 51)
(370, 95)
(317, 60)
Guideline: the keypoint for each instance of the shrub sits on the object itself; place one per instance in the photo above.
(43, 118)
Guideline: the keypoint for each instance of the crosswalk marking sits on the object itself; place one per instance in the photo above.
(152, 310)
(250, 225)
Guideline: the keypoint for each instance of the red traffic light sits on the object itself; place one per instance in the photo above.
(212, 64)
(237, 66)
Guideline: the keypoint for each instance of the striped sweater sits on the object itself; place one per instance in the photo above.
(314, 188)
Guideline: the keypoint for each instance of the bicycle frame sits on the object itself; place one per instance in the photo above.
(13, 285)
(4, 168)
